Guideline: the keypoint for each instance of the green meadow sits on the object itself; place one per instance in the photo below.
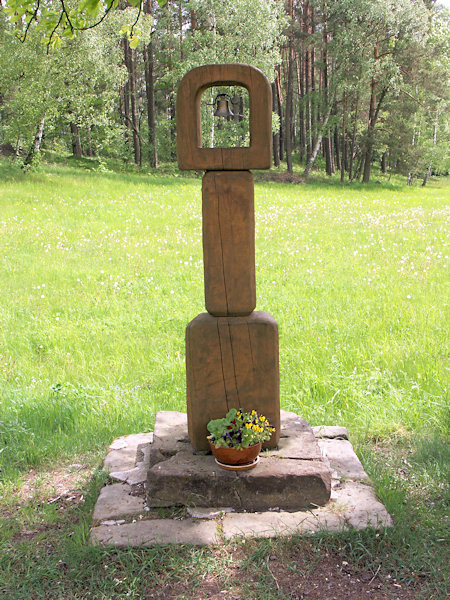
(100, 274)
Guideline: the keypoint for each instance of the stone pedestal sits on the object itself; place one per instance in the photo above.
(290, 477)
(122, 518)
(231, 362)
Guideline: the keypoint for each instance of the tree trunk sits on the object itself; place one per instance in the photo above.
(344, 143)
(125, 101)
(280, 111)
(289, 94)
(374, 109)
(76, 141)
(301, 111)
(337, 150)
(130, 53)
(314, 109)
(353, 142)
(36, 143)
(150, 94)
(307, 62)
(151, 109)
(17, 148)
(427, 176)
(384, 162)
(327, 154)
(315, 151)
(323, 83)
(276, 136)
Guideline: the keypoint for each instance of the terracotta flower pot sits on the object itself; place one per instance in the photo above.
(232, 456)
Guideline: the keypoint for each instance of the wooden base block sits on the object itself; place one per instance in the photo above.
(231, 362)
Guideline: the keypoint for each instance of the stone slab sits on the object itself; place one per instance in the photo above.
(115, 501)
(359, 506)
(343, 459)
(198, 481)
(134, 476)
(156, 531)
(121, 454)
(353, 501)
(297, 439)
(356, 506)
(273, 524)
(170, 436)
(138, 473)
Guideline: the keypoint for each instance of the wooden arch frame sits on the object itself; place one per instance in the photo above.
(190, 153)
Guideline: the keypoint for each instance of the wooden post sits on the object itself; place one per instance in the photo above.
(232, 350)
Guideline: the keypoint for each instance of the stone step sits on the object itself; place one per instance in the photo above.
(291, 477)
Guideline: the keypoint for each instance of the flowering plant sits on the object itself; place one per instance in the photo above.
(239, 429)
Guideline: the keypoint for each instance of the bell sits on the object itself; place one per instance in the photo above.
(223, 106)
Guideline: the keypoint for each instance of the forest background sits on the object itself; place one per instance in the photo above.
(353, 81)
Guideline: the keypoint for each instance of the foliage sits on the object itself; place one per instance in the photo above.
(369, 78)
(239, 429)
(55, 21)
(79, 84)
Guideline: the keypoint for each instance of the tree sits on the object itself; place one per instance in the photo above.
(57, 21)
(72, 90)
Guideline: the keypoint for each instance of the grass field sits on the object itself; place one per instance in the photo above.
(101, 272)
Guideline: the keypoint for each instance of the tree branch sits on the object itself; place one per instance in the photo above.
(67, 15)
(136, 20)
(33, 18)
(99, 21)
(53, 32)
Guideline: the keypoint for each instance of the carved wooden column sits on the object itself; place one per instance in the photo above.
(232, 350)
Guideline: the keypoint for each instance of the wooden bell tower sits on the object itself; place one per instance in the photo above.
(231, 350)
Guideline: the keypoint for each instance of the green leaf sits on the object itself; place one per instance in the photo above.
(134, 41)
(56, 41)
(91, 7)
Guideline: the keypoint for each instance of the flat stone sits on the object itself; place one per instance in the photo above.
(208, 513)
(143, 453)
(355, 506)
(121, 454)
(296, 439)
(170, 436)
(115, 501)
(272, 524)
(171, 424)
(187, 478)
(343, 459)
(331, 432)
(359, 506)
(156, 531)
(133, 476)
